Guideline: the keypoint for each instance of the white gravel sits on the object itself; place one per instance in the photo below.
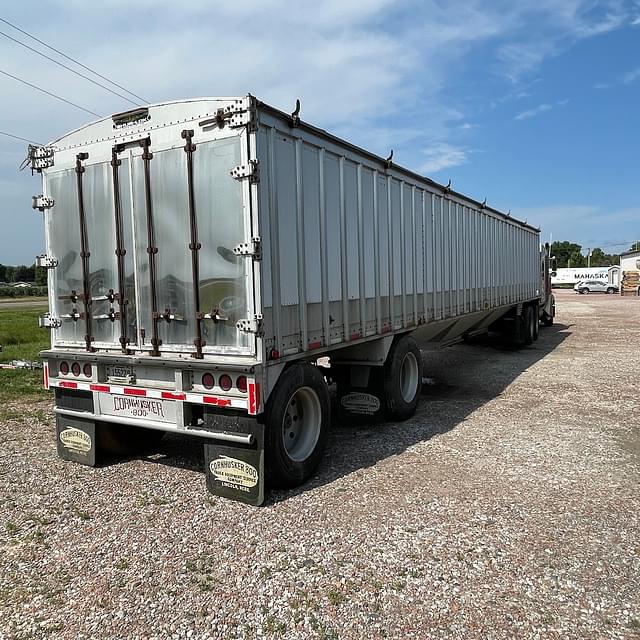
(508, 507)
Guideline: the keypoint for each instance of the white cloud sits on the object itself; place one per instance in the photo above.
(541, 108)
(530, 113)
(443, 156)
(559, 24)
(631, 76)
(628, 77)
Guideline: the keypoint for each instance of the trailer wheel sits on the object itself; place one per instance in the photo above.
(402, 379)
(297, 425)
(126, 440)
(529, 319)
(547, 320)
(536, 321)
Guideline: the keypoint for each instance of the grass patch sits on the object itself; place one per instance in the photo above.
(21, 339)
(20, 335)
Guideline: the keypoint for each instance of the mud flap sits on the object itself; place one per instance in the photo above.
(236, 470)
(76, 440)
(361, 404)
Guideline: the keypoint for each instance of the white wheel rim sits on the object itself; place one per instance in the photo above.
(301, 424)
(409, 372)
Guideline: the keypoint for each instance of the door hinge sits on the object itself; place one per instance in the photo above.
(239, 114)
(48, 322)
(41, 202)
(249, 249)
(40, 157)
(46, 262)
(251, 325)
(249, 170)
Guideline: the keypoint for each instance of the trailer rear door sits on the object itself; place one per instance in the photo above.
(139, 222)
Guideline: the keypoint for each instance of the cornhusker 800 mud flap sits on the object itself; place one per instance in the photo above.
(76, 440)
(236, 470)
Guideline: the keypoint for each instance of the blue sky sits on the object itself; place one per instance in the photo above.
(533, 105)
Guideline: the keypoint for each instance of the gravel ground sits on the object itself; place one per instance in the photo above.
(508, 507)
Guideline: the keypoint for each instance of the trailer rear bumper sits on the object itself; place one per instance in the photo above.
(158, 426)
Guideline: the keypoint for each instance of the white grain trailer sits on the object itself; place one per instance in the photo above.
(204, 254)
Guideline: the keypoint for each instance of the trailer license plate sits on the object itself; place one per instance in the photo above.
(120, 374)
(138, 408)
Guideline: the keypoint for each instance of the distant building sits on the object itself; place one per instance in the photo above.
(630, 261)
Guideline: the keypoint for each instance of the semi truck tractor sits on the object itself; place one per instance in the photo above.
(203, 255)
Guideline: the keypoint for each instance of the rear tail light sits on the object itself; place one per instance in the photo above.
(241, 383)
(208, 381)
(63, 368)
(75, 369)
(225, 382)
(87, 370)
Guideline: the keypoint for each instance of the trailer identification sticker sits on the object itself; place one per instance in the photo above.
(233, 472)
(139, 408)
(76, 440)
(360, 403)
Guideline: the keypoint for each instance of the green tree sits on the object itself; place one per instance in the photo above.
(24, 273)
(564, 251)
(40, 276)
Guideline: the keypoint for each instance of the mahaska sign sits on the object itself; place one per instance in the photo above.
(571, 276)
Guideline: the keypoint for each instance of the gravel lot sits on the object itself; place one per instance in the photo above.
(508, 507)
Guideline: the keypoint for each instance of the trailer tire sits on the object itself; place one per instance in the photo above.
(536, 321)
(297, 426)
(125, 440)
(529, 321)
(402, 379)
(547, 320)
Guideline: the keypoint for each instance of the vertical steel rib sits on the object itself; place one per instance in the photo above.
(392, 320)
(84, 253)
(343, 252)
(120, 250)
(194, 245)
(300, 250)
(376, 252)
(361, 257)
(324, 265)
(152, 250)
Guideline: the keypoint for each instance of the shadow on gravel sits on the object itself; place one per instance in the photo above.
(462, 378)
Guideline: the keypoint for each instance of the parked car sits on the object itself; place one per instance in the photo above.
(595, 286)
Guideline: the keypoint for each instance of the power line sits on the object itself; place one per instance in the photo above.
(64, 55)
(10, 135)
(53, 95)
(64, 66)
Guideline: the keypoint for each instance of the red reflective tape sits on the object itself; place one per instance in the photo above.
(386, 329)
(220, 402)
(100, 387)
(68, 385)
(45, 374)
(129, 391)
(168, 395)
(315, 345)
(252, 398)
(355, 336)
